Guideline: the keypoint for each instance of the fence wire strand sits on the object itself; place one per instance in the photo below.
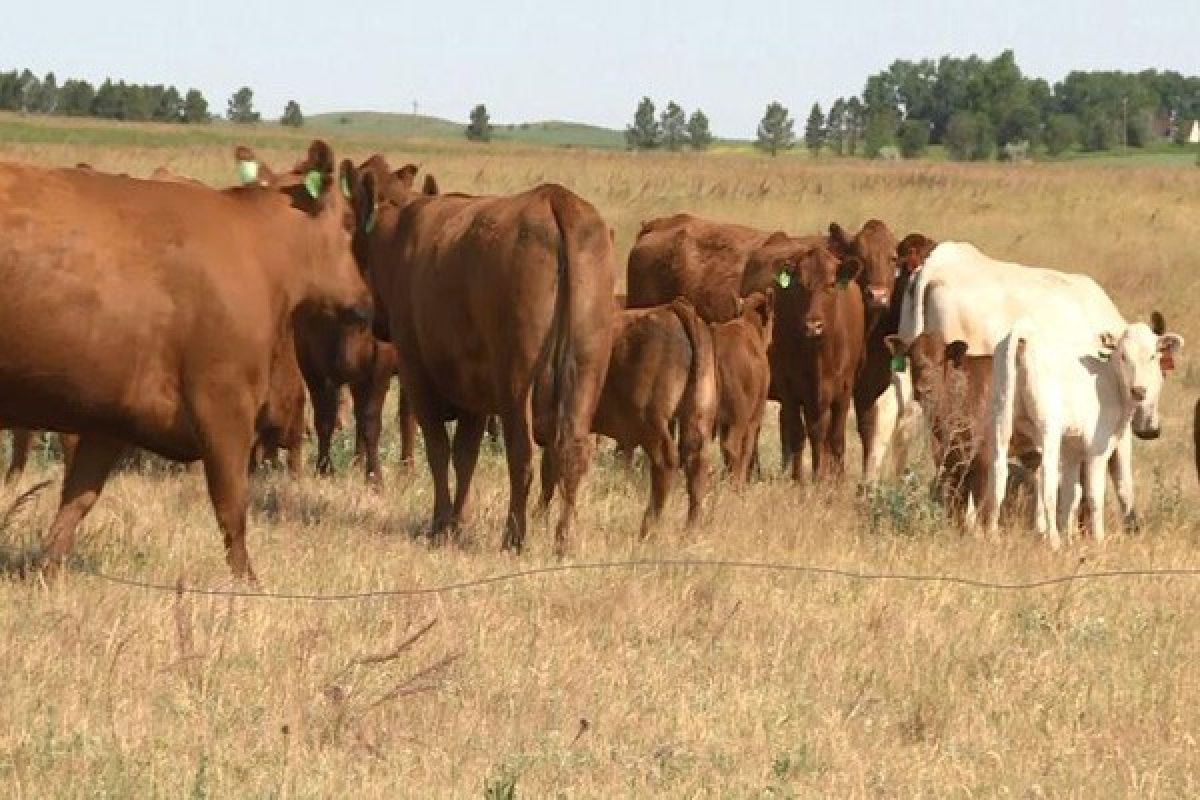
(651, 564)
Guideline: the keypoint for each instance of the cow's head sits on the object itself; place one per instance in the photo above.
(807, 278)
(912, 251)
(758, 309)
(1140, 358)
(874, 247)
(930, 362)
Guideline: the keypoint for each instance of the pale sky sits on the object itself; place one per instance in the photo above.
(589, 62)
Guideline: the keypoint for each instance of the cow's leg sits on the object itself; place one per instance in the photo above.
(468, 436)
(1051, 477)
(729, 455)
(788, 436)
(876, 424)
(407, 421)
(225, 458)
(437, 453)
(1094, 493)
(518, 452)
(797, 431)
(549, 479)
(664, 462)
(369, 396)
(325, 413)
(93, 459)
(70, 446)
(1120, 469)
(22, 442)
(818, 439)
(997, 482)
(693, 453)
(836, 436)
(1070, 487)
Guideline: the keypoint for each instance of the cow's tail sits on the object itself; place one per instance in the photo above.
(565, 356)
(698, 406)
(1009, 357)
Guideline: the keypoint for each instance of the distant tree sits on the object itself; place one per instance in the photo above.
(1061, 134)
(880, 131)
(854, 125)
(1098, 130)
(644, 133)
(776, 131)
(292, 117)
(75, 98)
(835, 126)
(29, 88)
(195, 108)
(169, 105)
(241, 107)
(969, 137)
(914, 137)
(479, 129)
(814, 130)
(698, 133)
(673, 124)
(45, 101)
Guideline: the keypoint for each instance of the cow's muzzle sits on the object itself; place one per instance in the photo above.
(877, 298)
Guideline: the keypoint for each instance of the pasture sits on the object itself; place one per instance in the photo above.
(636, 681)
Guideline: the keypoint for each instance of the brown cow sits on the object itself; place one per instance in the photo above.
(497, 305)
(146, 312)
(816, 350)
(328, 359)
(685, 256)
(661, 376)
(955, 392)
(743, 379)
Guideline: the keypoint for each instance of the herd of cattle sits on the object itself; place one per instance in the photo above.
(190, 321)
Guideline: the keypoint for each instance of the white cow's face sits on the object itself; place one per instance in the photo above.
(1138, 360)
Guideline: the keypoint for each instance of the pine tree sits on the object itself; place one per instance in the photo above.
(777, 130)
(814, 130)
(644, 133)
(699, 136)
(674, 127)
(292, 117)
(479, 129)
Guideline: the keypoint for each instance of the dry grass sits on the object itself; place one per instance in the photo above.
(692, 682)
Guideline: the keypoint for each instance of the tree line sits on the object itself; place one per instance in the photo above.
(976, 109)
(23, 91)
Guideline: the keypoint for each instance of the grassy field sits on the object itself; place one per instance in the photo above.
(639, 682)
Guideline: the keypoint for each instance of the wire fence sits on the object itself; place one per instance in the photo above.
(650, 564)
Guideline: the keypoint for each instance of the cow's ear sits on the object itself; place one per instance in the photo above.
(431, 185)
(778, 237)
(956, 351)
(1158, 324)
(406, 175)
(1170, 344)
(895, 345)
(838, 241)
(847, 271)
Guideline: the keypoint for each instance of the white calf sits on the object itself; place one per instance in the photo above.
(1079, 408)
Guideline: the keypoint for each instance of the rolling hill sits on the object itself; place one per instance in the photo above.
(553, 133)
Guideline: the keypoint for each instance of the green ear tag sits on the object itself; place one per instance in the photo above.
(247, 171)
(899, 363)
(370, 223)
(345, 184)
(785, 280)
(313, 182)
(843, 283)
(1103, 355)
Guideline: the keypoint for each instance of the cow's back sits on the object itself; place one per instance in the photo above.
(964, 294)
(685, 256)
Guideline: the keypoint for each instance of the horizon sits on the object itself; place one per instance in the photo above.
(698, 55)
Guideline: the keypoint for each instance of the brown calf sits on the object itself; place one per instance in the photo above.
(660, 376)
(743, 379)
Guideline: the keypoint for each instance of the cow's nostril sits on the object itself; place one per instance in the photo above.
(1139, 393)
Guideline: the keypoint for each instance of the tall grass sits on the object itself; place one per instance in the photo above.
(637, 682)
